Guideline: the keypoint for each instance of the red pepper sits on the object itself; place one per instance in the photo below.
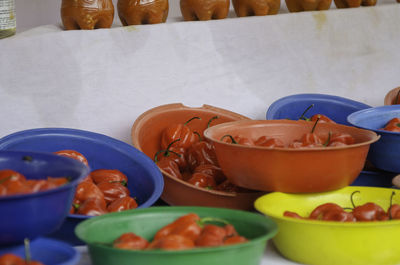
(211, 170)
(269, 142)
(175, 153)
(228, 186)
(178, 131)
(201, 153)
(341, 138)
(170, 166)
(86, 190)
(186, 225)
(368, 212)
(319, 212)
(122, 204)
(74, 155)
(292, 215)
(211, 236)
(172, 242)
(238, 139)
(113, 191)
(393, 125)
(322, 118)
(235, 240)
(130, 241)
(92, 207)
(339, 215)
(203, 181)
(394, 211)
(108, 175)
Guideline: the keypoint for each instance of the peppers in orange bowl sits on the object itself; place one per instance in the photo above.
(313, 157)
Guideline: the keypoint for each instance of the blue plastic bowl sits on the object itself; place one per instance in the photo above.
(292, 107)
(47, 251)
(37, 214)
(145, 181)
(374, 179)
(384, 154)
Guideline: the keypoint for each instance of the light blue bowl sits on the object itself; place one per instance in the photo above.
(336, 108)
(385, 153)
(145, 180)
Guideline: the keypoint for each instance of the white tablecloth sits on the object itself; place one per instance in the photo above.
(102, 80)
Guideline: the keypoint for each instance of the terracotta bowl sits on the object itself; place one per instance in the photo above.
(289, 169)
(146, 135)
(391, 96)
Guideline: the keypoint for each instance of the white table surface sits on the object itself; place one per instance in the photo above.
(103, 80)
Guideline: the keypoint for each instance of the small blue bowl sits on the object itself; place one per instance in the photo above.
(292, 107)
(41, 213)
(47, 251)
(145, 181)
(383, 154)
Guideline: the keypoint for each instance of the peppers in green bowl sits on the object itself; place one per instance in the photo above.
(100, 232)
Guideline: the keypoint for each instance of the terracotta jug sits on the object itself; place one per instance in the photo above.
(87, 14)
(256, 7)
(347, 3)
(204, 9)
(308, 5)
(136, 12)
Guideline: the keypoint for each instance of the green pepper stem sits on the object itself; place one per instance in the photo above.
(390, 205)
(230, 136)
(166, 151)
(198, 134)
(27, 251)
(329, 139)
(315, 125)
(304, 113)
(351, 197)
(209, 122)
(194, 118)
(205, 220)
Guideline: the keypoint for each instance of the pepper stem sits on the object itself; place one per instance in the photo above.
(307, 109)
(351, 197)
(391, 204)
(194, 118)
(329, 138)
(315, 125)
(167, 151)
(209, 122)
(27, 251)
(198, 134)
(230, 136)
(5, 179)
(205, 220)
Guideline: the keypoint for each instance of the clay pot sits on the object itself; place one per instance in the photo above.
(308, 5)
(392, 96)
(146, 133)
(87, 14)
(139, 12)
(347, 3)
(204, 9)
(245, 8)
(368, 2)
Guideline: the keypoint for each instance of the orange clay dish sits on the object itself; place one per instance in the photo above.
(102, 191)
(14, 183)
(187, 232)
(363, 213)
(187, 156)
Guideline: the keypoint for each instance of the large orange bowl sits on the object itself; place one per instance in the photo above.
(146, 135)
(289, 169)
(391, 96)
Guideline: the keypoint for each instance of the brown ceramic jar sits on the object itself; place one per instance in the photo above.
(204, 9)
(137, 12)
(87, 14)
(308, 5)
(245, 8)
(347, 3)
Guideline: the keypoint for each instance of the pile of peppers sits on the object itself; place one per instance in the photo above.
(187, 232)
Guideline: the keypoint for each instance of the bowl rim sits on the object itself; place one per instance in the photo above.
(147, 115)
(97, 138)
(352, 117)
(264, 220)
(312, 96)
(281, 218)
(69, 185)
(207, 132)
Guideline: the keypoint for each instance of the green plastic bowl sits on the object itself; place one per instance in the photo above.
(99, 232)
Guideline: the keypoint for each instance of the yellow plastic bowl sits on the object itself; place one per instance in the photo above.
(329, 242)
